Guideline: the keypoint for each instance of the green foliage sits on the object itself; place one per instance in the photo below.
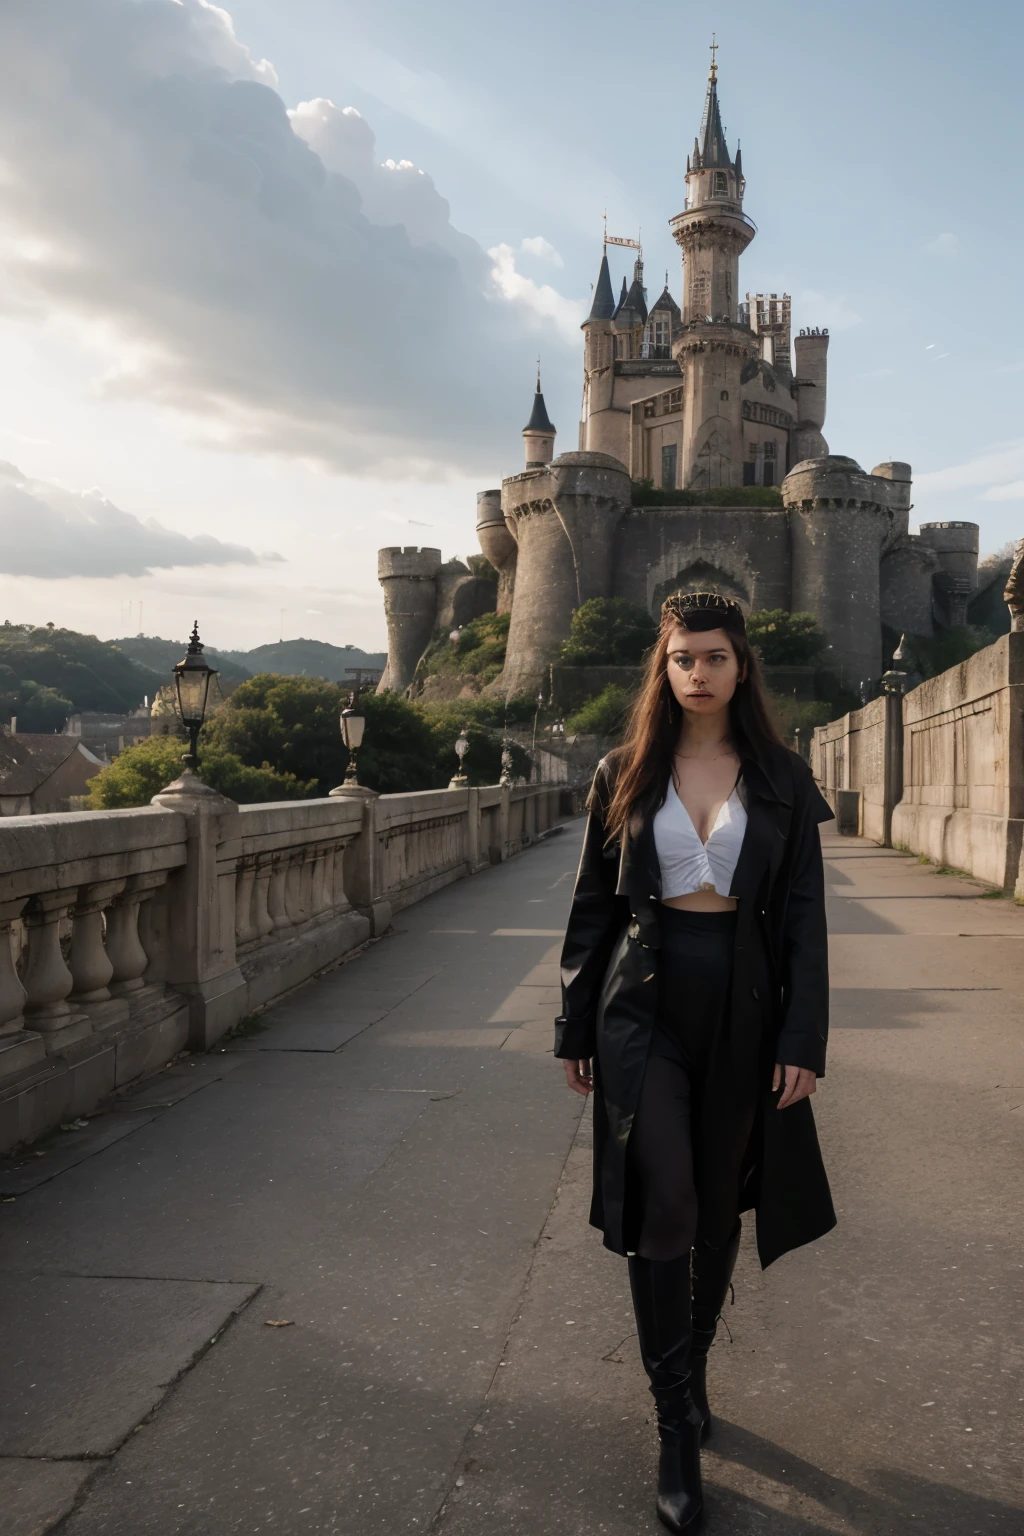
(160, 656)
(645, 495)
(482, 763)
(785, 639)
(400, 749)
(603, 715)
(38, 708)
(143, 770)
(289, 722)
(479, 652)
(799, 714)
(482, 567)
(610, 632)
(91, 673)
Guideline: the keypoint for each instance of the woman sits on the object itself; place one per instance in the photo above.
(695, 1004)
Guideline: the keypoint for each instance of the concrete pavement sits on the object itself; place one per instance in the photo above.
(338, 1277)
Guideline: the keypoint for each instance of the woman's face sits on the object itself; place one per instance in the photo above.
(703, 669)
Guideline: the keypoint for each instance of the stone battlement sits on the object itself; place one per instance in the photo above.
(410, 561)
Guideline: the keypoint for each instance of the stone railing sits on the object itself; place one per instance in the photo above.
(128, 936)
(940, 771)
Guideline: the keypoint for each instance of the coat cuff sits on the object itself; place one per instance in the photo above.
(575, 1039)
(801, 1050)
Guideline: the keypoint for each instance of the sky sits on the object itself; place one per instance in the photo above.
(274, 278)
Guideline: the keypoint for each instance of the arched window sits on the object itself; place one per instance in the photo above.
(721, 188)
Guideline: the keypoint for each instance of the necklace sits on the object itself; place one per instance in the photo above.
(693, 757)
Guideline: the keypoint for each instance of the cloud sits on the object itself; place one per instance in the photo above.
(995, 473)
(831, 310)
(543, 305)
(942, 245)
(536, 245)
(48, 531)
(266, 272)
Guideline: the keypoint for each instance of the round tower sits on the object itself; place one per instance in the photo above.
(565, 517)
(810, 379)
(409, 580)
(712, 232)
(838, 525)
(539, 432)
(497, 544)
(956, 549)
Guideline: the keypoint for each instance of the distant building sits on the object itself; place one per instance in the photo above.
(108, 734)
(43, 773)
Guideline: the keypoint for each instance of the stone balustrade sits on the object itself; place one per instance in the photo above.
(129, 936)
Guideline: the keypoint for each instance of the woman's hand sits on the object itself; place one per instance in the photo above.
(579, 1076)
(800, 1083)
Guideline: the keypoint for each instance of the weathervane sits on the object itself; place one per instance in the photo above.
(714, 67)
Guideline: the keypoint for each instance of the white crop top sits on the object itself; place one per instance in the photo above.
(687, 864)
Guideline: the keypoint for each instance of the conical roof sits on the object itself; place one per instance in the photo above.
(539, 420)
(603, 306)
(713, 149)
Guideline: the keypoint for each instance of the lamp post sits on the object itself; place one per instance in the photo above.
(460, 780)
(895, 679)
(353, 724)
(192, 677)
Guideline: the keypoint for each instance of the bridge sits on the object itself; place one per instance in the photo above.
(333, 1273)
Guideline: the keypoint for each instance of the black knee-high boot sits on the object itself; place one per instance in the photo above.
(712, 1274)
(661, 1303)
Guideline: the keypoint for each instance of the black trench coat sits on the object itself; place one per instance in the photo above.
(779, 1008)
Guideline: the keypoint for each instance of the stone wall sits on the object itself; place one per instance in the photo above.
(129, 936)
(940, 772)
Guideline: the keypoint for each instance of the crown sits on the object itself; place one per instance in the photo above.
(681, 603)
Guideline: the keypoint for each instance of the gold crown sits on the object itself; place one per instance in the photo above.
(680, 603)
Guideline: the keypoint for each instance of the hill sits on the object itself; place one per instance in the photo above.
(90, 674)
(161, 655)
(308, 658)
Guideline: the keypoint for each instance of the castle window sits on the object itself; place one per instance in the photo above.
(749, 472)
(724, 395)
(721, 184)
(669, 456)
(673, 401)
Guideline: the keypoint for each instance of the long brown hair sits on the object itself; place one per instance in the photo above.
(643, 763)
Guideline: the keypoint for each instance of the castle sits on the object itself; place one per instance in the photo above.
(711, 397)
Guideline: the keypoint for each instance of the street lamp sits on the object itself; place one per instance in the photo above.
(192, 677)
(460, 780)
(353, 725)
(895, 679)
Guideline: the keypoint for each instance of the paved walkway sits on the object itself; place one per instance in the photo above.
(395, 1170)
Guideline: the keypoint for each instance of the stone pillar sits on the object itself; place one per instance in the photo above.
(90, 960)
(46, 978)
(358, 865)
(200, 937)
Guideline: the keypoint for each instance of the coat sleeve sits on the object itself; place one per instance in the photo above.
(594, 923)
(804, 1034)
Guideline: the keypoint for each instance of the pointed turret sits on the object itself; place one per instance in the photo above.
(622, 300)
(539, 432)
(714, 153)
(603, 304)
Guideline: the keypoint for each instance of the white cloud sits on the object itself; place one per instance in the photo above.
(543, 304)
(48, 531)
(824, 309)
(1012, 491)
(995, 474)
(942, 245)
(536, 245)
(264, 273)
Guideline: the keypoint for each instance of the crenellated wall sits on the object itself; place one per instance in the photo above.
(129, 936)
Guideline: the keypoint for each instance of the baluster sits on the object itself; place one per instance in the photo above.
(277, 898)
(330, 857)
(293, 889)
(12, 993)
(263, 923)
(245, 882)
(124, 947)
(91, 967)
(46, 978)
(306, 871)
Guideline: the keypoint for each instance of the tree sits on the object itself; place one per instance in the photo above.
(785, 639)
(603, 715)
(145, 768)
(609, 631)
(91, 673)
(38, 708)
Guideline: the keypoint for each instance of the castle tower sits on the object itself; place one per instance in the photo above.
(598, 352)
(409, 579)
(712, 232)
(539, 433)
(811, 349)
(498, 545)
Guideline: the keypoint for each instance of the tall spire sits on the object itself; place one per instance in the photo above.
(539, 419)
(603, 305)
(713, 151)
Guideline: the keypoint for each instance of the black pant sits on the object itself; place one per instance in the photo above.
(695, 1115)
